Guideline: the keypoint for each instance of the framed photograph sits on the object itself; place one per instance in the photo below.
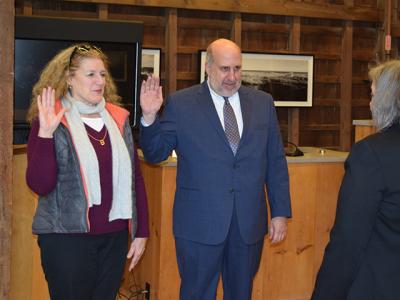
(287, 77)
(150, 62)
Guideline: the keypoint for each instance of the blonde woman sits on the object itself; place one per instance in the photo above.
(83, 165)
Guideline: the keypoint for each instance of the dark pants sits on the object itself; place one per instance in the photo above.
(83, 267)
(200, 266)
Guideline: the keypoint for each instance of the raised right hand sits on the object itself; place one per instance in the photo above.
(151, 98)
(48, 119)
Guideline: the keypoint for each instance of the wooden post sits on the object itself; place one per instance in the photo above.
(171, 38)
(346, 86)
(294, 113)
(388, 29)
(102, 10)
(236, 30)
(27, 8)
(395, 23)
(6, 147)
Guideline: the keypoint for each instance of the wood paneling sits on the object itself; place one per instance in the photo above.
(321, 9)
(190, 29)
(6, 121)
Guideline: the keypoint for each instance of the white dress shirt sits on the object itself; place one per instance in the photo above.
(219, 106)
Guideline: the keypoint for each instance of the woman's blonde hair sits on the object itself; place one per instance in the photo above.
(385, 103)
(64, 64)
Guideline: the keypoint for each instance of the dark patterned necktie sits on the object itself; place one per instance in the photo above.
(231, 126)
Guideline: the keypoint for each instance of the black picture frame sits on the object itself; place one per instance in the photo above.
(287, 77)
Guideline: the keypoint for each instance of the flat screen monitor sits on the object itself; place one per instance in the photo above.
(38, 40)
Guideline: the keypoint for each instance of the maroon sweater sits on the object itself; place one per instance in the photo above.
(41, 177)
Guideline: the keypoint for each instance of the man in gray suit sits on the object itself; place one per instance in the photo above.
(229, 148)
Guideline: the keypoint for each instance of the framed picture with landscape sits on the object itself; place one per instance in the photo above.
(287, 77)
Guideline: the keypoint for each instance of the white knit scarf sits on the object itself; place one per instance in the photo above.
(121, 163)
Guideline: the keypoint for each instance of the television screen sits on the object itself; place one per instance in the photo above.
(37, 40)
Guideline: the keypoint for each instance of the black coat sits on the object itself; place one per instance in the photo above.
(362, 259)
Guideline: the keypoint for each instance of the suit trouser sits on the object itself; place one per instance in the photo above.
(83, 267)
(200, 266)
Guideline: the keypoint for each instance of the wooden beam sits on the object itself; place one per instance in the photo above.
(273, 7)
(328, 102)
(151, 21)
(102, 10)
(327, 78)
(236, 30)
(185, 22)
(266, 27)
(349, 2)
(388, 29)
(171, 38)
(6, 132)
(294, 113)
(321, 30)
(346, 86)
(320, 127)
(27, 8)
(65, 14)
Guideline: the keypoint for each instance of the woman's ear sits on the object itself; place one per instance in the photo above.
(69, 80)
(68, 77)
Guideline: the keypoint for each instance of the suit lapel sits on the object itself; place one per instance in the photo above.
(245, 105)
(206, 105)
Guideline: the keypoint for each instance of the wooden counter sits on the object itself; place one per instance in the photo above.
(287, 270)
(27, 278)
(363, 128)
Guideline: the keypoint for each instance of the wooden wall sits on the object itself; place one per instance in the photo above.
(6, 110)
(343, 37)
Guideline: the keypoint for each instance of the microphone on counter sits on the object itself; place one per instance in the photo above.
(291, 149)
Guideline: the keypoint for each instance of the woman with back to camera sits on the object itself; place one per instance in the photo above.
(362, 259)
(83, 165)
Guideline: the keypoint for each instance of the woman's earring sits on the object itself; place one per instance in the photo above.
(69, 87)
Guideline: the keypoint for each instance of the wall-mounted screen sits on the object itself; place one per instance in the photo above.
(37, 40)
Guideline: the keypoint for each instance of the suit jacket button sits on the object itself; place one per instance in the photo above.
(231, 191)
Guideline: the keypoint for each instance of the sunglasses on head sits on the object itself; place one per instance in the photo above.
(82, 49)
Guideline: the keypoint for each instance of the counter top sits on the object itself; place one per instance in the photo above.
(363, 122)
(318, 155)
(311, 155)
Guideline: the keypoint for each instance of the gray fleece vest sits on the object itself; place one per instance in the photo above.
(64, 210)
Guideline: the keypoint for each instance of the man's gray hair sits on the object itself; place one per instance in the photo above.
(209, 56)
(385, 103)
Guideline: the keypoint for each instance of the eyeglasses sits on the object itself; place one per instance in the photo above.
(83, 49)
